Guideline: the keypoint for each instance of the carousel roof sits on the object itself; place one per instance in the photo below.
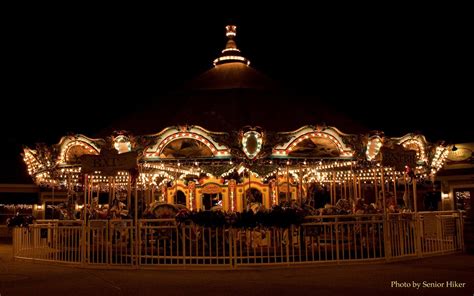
(234, 75)
(253, 120)
(230, 96)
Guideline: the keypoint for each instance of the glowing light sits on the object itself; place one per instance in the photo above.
(231, 58)
(252, 143)
(232, 200)
(122, 144)
(191, 199)
(373, 148)
(419, 148)
(439, 159)
(215, 151)
(230, 49)
(333, 139)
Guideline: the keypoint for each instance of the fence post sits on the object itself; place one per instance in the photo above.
(288, 242)
(108, 237)
(14, 242)
(136, 244)
(232, 248)
(337, 240)
(132, 229)
(387, 237)
(418, 235)
(183, 243)
(83, 241)
(460, 232)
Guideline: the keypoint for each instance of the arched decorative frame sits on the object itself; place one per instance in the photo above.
(417, 140)
(330, 133)
(169, 135)
(68, 142)
(33, 165)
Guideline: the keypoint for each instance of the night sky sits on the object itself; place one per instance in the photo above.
(397, 70)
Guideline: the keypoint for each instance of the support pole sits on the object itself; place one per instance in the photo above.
(109, 183)
(86, 184)
(84, 223)
(375, 189)
(406, 194)
(129, 193)
(300, 187)
(343, 189)
(288, 195)
(395, 188)
(386, 225)
(382, 180)
(414, 194)
(354, 187)
(330, 191)
(136, 224)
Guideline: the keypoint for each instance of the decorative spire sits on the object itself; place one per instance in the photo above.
(231, 53)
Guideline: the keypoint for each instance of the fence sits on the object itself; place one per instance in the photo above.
(58, 241)
(164, 243)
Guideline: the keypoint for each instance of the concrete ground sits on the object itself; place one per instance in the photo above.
(28, 278)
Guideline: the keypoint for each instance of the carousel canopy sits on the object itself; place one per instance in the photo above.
(182, 151)
(250, 118)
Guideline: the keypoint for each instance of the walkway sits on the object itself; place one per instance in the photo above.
(26, 278)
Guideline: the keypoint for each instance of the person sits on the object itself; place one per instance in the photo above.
(406, 199)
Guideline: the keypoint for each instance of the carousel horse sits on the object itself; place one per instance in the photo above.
(118, 210)
(256, 237)
(162, 210)
(165, 213)
(255, 207)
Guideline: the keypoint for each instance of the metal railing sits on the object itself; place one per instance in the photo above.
(109, 242)
(164, 242)
(58, 241)
(440, 232)
(402, 238)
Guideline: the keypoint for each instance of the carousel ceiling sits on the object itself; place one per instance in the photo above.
(185, 148)
(315, 147)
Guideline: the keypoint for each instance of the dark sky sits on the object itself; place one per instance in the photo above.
(393, 69)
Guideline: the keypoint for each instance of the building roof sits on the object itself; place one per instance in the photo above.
(234, 75)
(229, 96)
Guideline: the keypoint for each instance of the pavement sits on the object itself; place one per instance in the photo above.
(441, 275)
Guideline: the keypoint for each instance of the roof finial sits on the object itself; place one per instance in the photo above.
(231, 31)
(231, 53)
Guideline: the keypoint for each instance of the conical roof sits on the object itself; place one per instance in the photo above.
(234, 75)
(230, 96)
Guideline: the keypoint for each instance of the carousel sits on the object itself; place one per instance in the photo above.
(188, 195)
(315, 166)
